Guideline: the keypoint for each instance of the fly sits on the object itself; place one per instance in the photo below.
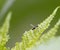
(33, 26)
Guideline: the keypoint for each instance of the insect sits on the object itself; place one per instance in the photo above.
(33, 26)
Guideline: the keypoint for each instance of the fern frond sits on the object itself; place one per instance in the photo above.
(30, 37)
(3, 48)
(3, 32)
(51, 33)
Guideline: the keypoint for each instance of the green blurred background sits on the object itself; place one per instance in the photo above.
(26, 12)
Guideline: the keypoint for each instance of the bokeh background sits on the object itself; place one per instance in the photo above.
(24, 13)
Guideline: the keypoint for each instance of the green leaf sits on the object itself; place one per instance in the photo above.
(31, 37)
(4, 31)
(50, 33)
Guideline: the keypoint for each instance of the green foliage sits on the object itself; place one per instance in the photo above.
(3, 32)
(30, 38)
